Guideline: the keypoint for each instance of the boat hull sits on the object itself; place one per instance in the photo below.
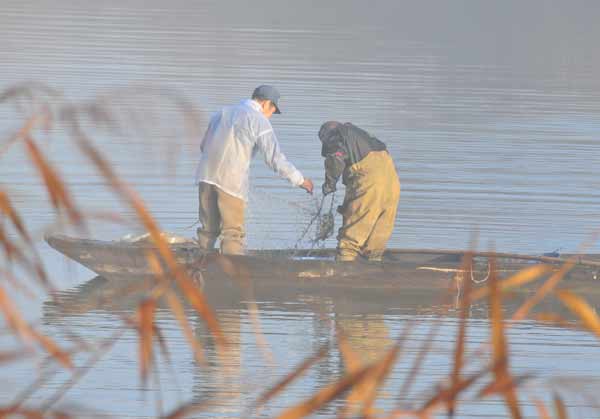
(117, 260)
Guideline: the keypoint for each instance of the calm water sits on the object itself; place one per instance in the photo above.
(490, 109)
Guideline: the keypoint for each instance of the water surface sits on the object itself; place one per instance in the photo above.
(490, 110)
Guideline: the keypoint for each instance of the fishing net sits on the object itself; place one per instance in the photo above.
(316, 217)
(321, 224)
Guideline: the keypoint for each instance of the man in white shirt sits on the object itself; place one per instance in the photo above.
(234, 135)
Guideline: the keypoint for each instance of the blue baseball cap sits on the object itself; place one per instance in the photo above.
(268, 92)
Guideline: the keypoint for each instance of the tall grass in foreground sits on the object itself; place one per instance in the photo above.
(44, 109)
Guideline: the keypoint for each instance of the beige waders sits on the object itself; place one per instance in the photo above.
(369, 209)
(221, 214)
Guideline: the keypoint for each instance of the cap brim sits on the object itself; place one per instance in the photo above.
(277, 111)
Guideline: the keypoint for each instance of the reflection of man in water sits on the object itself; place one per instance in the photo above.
(232, 138)
(372, 189)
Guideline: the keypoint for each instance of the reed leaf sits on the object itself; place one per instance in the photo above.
(176, 308)
(15, 254)
(12, 252)
(351, 360)
(187, 409)
(543, 412)
(370, 386)
(179, 312)
(444, 396)
(582, 309)
(293, 376)
(504, 385)
(189, 289)
(544, 290)
(499, 344)
(560, 408)
(352, 363)
(56, 187)
(555, 319)
(7, 208)
(28, 334)
(37, 119)
(522, 277)
(364, 393)
(8, 357)
(146, 328)
(418, 363)
(12, 412)
(29, 91)
(326, 394)
(459, 351)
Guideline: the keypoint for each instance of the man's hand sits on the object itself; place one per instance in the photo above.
(307, 185)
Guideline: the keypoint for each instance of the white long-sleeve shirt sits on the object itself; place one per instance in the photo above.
(233, 137)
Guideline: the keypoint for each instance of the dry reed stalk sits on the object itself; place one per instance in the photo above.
(352, 363)
(328, 393)
(11, 413)
(361, 380)
(28, 334)
(292, 376)
(524, 276)
(582, 309)
(28, 127)
(543, 412)
(465, 304)
(179, 312)
(164, 351)
(449, 396)
(146, 312)
(418, 363)
(371, 384)
(363, 395)
(186, 284)
(104, 347)
(553, 281)
(61, 200)
(16, 283)
(502, 386)
(188, 409)
(56, 187)
(553, 319)
(520, 278)
(175, 305)
(500, 352)
(543, 291)
(15, 255)
(559, 406)
(8, 209)
(8, 357)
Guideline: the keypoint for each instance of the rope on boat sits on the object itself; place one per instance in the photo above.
(481, 281)
(461, 271)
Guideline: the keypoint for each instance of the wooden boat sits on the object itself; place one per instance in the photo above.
(118, 260)
(415, 281)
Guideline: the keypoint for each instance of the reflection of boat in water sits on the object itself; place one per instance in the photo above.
(368, 316)
(361, 299)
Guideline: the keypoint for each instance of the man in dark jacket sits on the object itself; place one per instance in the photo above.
(372, 189)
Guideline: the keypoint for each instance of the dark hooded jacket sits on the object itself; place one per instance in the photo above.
(342, 147)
